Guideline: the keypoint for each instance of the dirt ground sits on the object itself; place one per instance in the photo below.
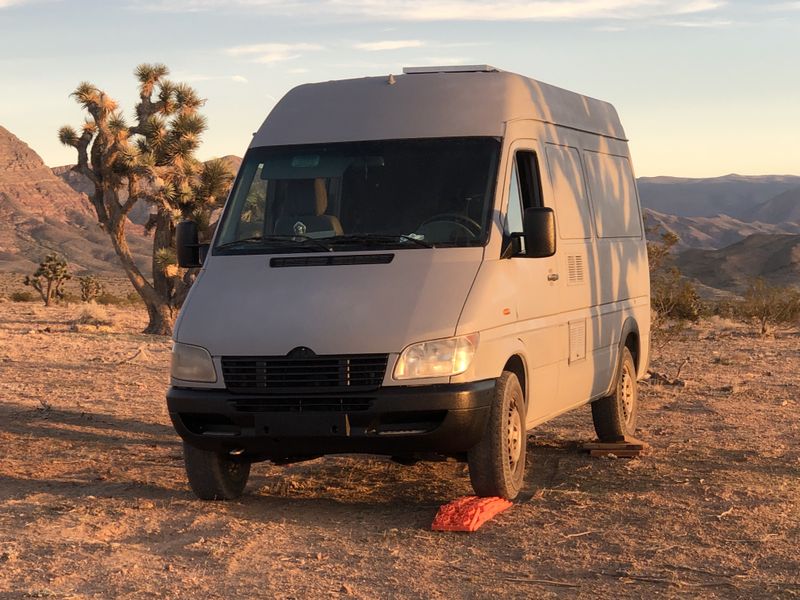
(94, 503)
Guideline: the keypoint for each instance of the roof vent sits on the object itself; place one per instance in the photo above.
(451, 69)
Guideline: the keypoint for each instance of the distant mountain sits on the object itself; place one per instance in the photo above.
(733, 195)
(712, 233)
(782, 208)
(776, 258)
(39, 213)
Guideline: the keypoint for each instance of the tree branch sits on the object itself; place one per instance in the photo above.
(82, 146)
(133, 195)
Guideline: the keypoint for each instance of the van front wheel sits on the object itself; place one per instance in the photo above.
(497, 462)
(214, 476)
(615, 416)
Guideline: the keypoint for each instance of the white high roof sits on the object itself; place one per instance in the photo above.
(441, 103)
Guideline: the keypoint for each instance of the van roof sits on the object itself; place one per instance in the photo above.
(428, 102)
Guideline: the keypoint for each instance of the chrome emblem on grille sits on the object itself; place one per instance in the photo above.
(300, 228)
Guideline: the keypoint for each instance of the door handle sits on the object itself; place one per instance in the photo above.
(552, 277)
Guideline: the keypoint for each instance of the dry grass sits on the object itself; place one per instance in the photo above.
(94, 504)
(93, 314)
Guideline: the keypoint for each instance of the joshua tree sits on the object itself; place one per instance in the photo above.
(153, 160)
(49, 278)
(91, 288)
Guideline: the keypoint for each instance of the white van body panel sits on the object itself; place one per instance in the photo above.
(564, 317)
(427, 105)
(570, 328)
(246, 307)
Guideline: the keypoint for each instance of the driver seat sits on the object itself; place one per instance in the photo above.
(304, 210)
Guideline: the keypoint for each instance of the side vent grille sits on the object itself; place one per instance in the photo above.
(575, 269)
(577, 340)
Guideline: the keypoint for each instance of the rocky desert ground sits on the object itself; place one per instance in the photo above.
(94, 504)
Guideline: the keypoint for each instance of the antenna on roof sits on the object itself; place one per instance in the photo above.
(391, 80)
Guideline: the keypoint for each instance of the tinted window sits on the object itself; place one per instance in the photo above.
(437, 192)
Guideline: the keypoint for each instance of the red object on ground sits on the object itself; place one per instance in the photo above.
(468, 513)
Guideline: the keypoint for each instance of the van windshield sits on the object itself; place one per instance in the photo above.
(394, 194)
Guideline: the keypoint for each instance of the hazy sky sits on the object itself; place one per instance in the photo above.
(704, 87)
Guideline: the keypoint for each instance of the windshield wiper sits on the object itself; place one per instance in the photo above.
(279, 240)
(378, 239)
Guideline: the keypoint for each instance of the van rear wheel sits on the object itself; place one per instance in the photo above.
(497, 462)
(214, 476)
(615, 416)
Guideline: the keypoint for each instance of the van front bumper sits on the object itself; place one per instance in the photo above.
(444, 419)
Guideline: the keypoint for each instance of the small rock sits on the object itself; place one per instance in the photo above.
(8, 556)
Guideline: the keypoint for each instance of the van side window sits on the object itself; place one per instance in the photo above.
(525, 189)
(569, 192)
(613, 193)
(514, 212)
(529, 179)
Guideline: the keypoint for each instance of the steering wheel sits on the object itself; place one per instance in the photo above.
(471, 227)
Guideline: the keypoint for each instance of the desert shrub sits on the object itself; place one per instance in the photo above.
(91, 288)
(70, 298)
(725, 309)
(49, 278)
(21, 297)
(769, 306)
(674, 300)
(93, 314)
(108, 298)
(134, 299)
(675, 297)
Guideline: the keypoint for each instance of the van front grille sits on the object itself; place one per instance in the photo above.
(302, 404)
(306, 374)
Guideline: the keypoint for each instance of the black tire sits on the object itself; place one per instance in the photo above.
(497, 462)
(615, 416)
(214, 476)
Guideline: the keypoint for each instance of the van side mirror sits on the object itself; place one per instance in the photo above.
(539, 231)
(187, 246)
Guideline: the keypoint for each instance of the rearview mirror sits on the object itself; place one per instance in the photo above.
(187, 246)
(539, 230)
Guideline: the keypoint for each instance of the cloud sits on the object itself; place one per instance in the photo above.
(710, 24)
(513, 10)
(10, 3)
(443, 60)
(784, 6)
(453, 10)
(272, 53)
(389, 45)
(194, 78)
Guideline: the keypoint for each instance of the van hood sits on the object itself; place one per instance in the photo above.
(240, 305)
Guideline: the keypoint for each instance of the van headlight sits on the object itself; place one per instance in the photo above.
(437, 358)
(192, 363)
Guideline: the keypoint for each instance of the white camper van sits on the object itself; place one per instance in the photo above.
(428, 263)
